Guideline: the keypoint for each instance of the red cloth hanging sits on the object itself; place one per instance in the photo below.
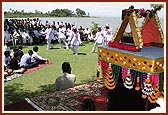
(150, 33)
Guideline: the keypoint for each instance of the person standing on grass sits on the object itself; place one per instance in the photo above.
(98, 39)
(62, 36)
(69, 34)
(107, 34)
(67, 80)
(49, 36)
(75, 40)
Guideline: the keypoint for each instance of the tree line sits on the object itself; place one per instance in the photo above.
(54, 13)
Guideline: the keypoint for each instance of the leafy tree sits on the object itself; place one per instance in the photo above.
(61, 13)
(80, 12)
(54, 13)
(94, 28)
(22, 11)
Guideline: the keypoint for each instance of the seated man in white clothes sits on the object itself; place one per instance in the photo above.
(37, 58)
(25, 61)
(67, 80)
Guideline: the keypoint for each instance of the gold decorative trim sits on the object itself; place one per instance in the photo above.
(132, 61)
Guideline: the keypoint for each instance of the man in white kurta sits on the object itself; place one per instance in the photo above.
(67, 80)
(49, 36)
(98, 39)
(75, 40)
(107, 34)
(37, 58)
(69, 34)
(62, 37)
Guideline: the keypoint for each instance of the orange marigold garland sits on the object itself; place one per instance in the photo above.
(154, 96)
(109, 78)
(137, 84)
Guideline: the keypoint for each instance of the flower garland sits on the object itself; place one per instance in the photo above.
(138, 84)
(128, 82)
(147, 87)
(104, 66)
(122, 46)
(151, 85)
(116, 71)
(154, 79)
(134, 74)
(109, 81)
(144, 77)
(153, 97)
(124, 72)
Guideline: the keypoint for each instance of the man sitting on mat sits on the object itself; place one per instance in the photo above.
(36, 58)
(25, 61)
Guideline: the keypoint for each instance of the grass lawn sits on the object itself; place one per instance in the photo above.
(41, 81)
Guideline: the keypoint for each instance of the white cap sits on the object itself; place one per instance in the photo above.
(74, 27)
(61, 25)
(107, 25)
(98, 26)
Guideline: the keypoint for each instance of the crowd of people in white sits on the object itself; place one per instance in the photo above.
(34, 32)
(18, 32)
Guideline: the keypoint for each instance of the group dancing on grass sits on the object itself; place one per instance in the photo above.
(74, 38)
(34, 32)
(25, 32)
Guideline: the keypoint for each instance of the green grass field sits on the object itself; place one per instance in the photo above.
(42, 81)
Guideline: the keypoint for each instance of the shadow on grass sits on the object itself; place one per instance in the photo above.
(15, 93)
(81, 53)
(91, 78)
(54, 48)
(47, 88)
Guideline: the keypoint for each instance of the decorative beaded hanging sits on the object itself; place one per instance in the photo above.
(147, 89)
(128, 83)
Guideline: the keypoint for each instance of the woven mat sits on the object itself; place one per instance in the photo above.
(16, 75)
(38, 67)
(71, 99)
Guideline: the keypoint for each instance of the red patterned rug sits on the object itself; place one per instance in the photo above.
(38, 67)
(72, 98)
(121, 99)
(16, 75)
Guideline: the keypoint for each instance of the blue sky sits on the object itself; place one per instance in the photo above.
(103, 9)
